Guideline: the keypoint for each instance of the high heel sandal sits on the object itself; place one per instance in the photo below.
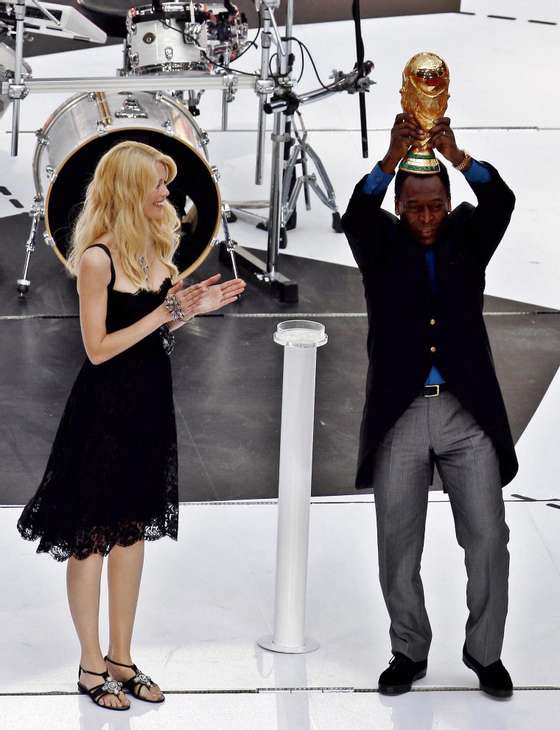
(134, 684)
(109, 687)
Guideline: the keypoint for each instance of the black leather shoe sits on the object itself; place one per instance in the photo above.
(401, 673)
(494, 679)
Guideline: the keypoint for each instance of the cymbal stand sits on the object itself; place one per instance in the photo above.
(290, 148)
(300, 154)
(266, 274)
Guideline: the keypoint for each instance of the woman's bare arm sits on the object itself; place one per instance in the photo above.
(94, 275)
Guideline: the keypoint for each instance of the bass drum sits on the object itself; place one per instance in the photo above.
(79, 132)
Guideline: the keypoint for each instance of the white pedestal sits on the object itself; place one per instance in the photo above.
(300, 339)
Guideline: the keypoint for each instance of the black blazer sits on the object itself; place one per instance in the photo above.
(402, 306)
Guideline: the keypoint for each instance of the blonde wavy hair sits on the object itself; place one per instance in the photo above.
(114, 203)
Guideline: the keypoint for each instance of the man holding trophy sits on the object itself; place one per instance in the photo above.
(432, 396)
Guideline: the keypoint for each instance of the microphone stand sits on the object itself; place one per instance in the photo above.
(360, 52)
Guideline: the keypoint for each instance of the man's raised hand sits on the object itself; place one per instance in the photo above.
(442, 138)
(404, 134)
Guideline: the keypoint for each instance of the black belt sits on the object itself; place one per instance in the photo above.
(432, 391)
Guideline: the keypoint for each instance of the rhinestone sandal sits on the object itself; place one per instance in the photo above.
(134, 684)
(109, 687)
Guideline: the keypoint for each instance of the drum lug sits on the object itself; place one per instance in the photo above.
(101, 128)
(50, 172)
(204, 139)
(215, 173)
(168, 126)
(37, 209)
(47, 238)
(42, 138)
(168, 53)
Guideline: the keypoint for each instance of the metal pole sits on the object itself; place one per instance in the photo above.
(225, 99)
(266, 42)
(275, 208)
(20, 19)
(279, 138)
(300, 339)
(289, 23)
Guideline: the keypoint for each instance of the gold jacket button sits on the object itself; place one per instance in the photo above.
(432, 349)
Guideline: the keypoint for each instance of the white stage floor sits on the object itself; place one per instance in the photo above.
(206, 600)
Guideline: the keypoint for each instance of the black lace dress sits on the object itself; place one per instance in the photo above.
(111, 478)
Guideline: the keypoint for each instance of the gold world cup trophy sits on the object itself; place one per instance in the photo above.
(424, 94)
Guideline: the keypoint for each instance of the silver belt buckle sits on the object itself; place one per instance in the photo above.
(434, 395)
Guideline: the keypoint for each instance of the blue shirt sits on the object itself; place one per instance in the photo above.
(378, 181)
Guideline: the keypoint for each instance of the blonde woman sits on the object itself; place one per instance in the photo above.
(111, 478)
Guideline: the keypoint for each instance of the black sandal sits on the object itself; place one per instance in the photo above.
(109, 687)
(134, 684)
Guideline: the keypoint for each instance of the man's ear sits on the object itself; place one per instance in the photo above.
(397, 207)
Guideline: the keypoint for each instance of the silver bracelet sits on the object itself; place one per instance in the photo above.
(174, 308)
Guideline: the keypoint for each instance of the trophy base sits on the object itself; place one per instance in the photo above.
(420, 163)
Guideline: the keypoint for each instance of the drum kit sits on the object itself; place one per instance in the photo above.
(172, 53)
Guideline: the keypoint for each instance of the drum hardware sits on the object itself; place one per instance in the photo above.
(131, 109)
(47, 18)
(15, 14)
(301, 152)
(266, 274)
(228, 244)
(36, 213)
(128, 84)
(101, 101)
(193, 101)
(7, 68)
(290, 148)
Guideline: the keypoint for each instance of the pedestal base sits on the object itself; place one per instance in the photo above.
(420, 163)
(268, 643)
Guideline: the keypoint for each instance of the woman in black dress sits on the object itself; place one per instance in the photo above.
(111, 478)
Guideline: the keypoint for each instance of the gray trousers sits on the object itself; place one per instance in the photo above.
(440, 431)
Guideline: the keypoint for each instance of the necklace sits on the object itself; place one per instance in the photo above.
(145, 269)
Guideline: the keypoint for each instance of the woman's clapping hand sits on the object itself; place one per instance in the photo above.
(208, 295)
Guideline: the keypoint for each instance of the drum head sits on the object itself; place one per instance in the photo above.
(193, 190)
